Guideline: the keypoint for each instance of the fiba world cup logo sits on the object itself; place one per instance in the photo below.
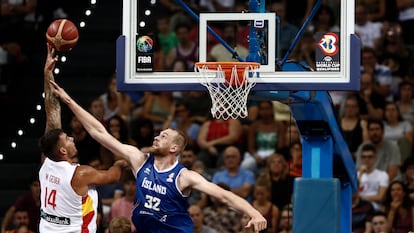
(144, 44)
(329, 44)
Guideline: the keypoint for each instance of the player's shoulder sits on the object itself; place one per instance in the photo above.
(189, 177)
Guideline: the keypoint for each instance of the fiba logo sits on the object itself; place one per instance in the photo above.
(329, 44)
(144, 44)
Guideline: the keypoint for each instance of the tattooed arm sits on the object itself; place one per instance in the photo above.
(52, 104)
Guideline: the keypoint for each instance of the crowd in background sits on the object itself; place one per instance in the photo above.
(257, 157)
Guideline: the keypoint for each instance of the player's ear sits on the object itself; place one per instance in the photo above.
(62, 150)
(174, 148)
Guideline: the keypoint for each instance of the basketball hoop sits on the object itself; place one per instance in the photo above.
(229, 84)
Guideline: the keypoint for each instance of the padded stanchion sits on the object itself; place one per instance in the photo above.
(316, 206)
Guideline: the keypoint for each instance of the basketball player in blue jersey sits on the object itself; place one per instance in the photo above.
(68, 198)
(163, 184)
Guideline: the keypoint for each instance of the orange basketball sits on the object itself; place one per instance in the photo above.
(62, 34)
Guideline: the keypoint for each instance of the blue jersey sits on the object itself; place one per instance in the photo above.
(160, 207)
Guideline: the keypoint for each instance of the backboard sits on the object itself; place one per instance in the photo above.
(335, 53)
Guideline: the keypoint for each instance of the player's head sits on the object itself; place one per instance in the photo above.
(170, 141)
(57, 145)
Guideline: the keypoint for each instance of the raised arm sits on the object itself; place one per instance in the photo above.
(191, 179)
(52, 104)
(98, 132)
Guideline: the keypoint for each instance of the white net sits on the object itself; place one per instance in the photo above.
(229, 86)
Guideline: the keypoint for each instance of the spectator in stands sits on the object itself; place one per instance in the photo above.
(120, 224)
(123, 206)
(110, 99)
(142, 132)
(373, 182)
(264, 136)
(406, 19)
(288, 31)
(243, 221)
(18, 19)
(196, 214)
(298, 11)
(96, 108)
(157, 108)
(393, 52)
(262, 202)
(380, 223)
(115, 102)
(167, 38)
(304, 52)
(199, 104)
(398, 130)
(186, 48)
(239, 180)
(407, 169)
(324, 20)
(219, 216)
(381, 73)
(388, 153)
(368, 31)
(371, 104)
(292, 135)
(376, 9)
(179, 65)
(118, 128)
(29, 202)
(362, 212)
(295, 161)
(20, 222)
(219, 53)
(353, 127)
(88, 148)
(213, 137)
(158, 55)
(399, 208)
(405, 102)
(277, 174)
(179, 118)
(188, 158)
(286, 217)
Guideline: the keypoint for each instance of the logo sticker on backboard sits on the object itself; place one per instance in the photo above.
(144, 57)
(327, 52)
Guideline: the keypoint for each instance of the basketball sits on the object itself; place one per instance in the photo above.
(62, 34)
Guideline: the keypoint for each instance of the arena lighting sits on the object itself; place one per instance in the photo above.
(32, 120)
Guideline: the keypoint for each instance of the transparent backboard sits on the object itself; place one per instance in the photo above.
(252, 35)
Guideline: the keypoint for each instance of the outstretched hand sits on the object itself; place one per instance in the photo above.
(258, 223)
(60, 93)
(51, 59)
